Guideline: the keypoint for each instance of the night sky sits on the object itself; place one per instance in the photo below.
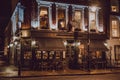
(5, 13)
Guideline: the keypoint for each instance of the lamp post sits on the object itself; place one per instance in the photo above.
(88, 44)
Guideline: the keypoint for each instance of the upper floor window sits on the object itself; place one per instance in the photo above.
(77, 19)
(61, 19)
(114, 6)
(93, 19)
(115, 28)
(44, 17)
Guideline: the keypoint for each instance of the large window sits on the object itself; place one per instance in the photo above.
(117, 52)
(93, 20)
(44, 18)
(115, 28)
(61, 19)
(77, 20)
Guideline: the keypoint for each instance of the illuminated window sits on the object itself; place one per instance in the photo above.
(117, 52)
(77, 22)
(93, 21)
(44, 18)
(114, 6)
(115, 29)
(61, 19)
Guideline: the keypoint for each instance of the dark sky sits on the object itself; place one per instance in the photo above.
(5, 11)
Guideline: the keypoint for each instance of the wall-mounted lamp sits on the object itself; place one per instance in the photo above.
(15, 42)
(33, 43)
(78, 43)
(65, 43)
(11, 45)
(8, 46)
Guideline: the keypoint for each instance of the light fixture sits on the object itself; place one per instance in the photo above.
(33, 43)
(11, 45)
(78, 43)
(8, 46)
(15, 42)
(105, 44)
(65, 43)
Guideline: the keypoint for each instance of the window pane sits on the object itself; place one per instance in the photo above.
(77, 19)
(61, 19)
(114, 24)
(115, 28)
(92, 21)
(77, 15)
(44, 18)
(114, 33)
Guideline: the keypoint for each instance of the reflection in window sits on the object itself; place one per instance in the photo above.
(44, 18)
(115, 29)
(61, 19)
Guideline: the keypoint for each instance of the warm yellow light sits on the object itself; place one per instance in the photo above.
(65, 43)
(33, 43)
(78, 43)
(11, 45)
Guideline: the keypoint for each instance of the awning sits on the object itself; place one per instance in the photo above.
(51, 44)
(96, 46)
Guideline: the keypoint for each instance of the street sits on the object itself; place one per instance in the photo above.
(75, 77)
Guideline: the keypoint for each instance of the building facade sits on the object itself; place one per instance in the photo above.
(48, 34)
(114, 41)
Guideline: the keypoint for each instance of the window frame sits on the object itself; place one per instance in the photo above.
(49, 6)
(117, 28)
(117, 53)
(45, 27)
(81, 9)
(65, 7)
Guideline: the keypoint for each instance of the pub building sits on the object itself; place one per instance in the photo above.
(48, 35)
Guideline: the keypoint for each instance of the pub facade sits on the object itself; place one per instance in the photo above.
(49, 35)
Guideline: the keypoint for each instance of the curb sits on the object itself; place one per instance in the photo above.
(59, 75)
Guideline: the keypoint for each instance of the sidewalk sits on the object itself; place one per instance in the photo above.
(12, 71)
